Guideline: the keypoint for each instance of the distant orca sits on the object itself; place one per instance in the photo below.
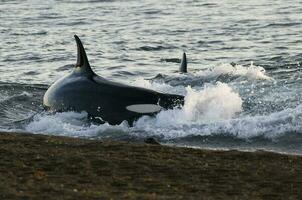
(183, 64)
(83, 90)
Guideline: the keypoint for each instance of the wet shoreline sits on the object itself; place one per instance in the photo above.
(51, 167)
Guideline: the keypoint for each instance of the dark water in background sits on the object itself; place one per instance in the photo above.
(255, 104)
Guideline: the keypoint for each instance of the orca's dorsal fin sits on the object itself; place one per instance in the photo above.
(82, 61)
(183, 64)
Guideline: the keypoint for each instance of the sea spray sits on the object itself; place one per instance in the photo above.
(252, 72)
(213, 103)
(158, 86)
(169, 125)
(226, 73)
(72, 124)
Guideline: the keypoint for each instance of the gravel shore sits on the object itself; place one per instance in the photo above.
(50, 167)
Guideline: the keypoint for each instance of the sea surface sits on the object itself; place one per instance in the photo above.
(243, 90)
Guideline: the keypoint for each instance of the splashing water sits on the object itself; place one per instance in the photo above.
(252, 72)
(211, 104)
(72, 124)
(214, 103)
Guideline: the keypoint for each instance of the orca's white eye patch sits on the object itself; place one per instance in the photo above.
(144, 108)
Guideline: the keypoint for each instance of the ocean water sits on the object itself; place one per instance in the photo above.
(243, 90)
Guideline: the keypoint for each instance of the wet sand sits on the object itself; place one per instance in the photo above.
(49, 167)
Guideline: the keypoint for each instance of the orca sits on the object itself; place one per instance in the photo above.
(102, 99)
(183, 64)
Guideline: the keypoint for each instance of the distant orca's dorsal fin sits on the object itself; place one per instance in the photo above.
(183, 64)
(82, 61)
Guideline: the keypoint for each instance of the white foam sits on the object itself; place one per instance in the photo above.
(162, 87)
(213, 103)
(158, 86)
(252, 72)
(71, 124)
(269, 126)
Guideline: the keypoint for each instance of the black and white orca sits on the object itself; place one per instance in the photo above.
(84, 90)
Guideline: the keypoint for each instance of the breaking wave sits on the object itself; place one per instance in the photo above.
(252, 72)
